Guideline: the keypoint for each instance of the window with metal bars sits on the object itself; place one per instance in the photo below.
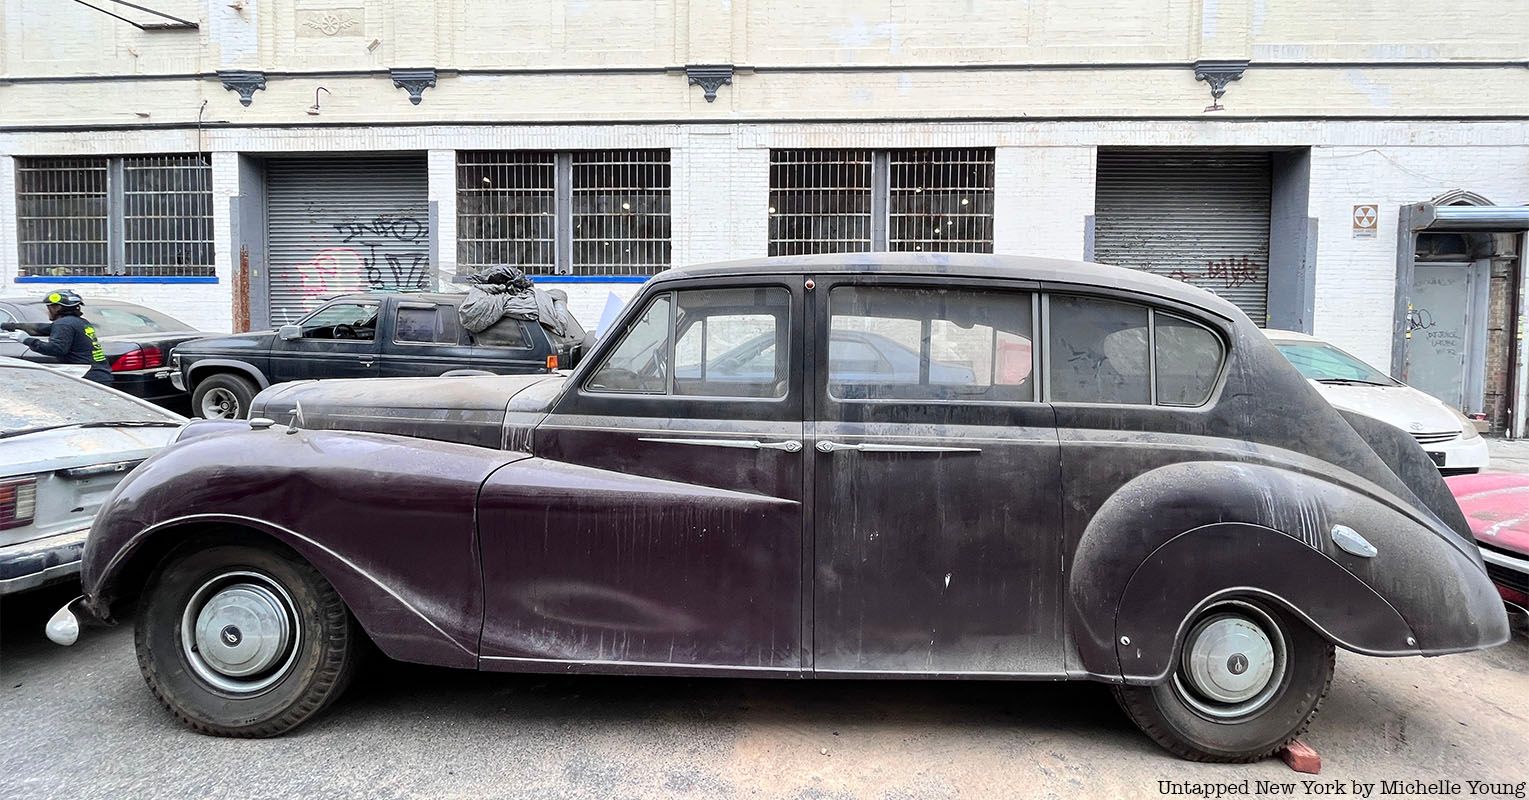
(138, 216)
(598, 212)
(838, 201)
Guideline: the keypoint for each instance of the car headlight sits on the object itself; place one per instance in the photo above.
(1468, 429)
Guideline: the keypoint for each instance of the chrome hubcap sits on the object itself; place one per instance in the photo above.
(1233, 662)
(220, 404)
(240, 632)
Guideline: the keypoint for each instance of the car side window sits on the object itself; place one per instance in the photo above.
(720, 343)
(1188, 360)
(507, 332)
(342, 321)
(897, 343)
(1101, 352)
(426, 325)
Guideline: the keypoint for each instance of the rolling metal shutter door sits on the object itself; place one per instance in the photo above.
(340, 224)
(1202, 218)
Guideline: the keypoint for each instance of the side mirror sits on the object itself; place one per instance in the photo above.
(290, 332)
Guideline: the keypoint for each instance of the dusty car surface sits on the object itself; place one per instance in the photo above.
(1496, 504)
(65, 442)
(1129, 484)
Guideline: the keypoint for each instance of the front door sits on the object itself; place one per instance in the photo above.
(937, 536)
(338, 340)
(1441, 337)
(670, 536)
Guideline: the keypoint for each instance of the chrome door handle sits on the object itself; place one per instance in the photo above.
(827, 446)
(367, 362)
(789, 446)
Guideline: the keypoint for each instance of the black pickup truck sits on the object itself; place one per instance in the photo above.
(368, 335)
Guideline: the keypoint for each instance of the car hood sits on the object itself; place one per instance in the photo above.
(241, 340)
(1402, 406)
(467, 409)
(1496, 504)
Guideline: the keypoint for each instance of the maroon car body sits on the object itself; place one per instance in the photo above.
(1078, 513)
(1496, 504)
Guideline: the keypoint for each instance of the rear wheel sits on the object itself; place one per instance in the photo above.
(223, 396)
(1248, 681)
(244, 640)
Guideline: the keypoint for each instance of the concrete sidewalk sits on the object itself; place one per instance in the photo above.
(1509, 455)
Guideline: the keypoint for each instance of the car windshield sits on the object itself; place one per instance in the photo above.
(32, 397)
(116, 320)
(1320, 361)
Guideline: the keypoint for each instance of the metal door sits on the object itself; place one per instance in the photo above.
(339, 224)
(937, 530)
(1440, 336)
(1196, 216)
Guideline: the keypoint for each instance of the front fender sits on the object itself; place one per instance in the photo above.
(1432, 582)
(388, 521)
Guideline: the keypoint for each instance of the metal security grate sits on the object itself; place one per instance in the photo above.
(62, 216)
(143, 216)
(940, 200)
(820, 201)
(507, 210)
(620, 202)
(167, 216)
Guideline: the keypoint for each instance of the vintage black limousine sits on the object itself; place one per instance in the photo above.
(1084, 472)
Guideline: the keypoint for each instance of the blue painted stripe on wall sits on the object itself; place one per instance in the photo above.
(590, 278)
(113, 279)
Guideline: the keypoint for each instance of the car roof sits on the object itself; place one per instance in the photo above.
(428, 297)
(965, 265)
(1279, 335)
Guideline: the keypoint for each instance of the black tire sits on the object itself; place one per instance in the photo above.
(305, 677)
(1167, 712)
(235, 392)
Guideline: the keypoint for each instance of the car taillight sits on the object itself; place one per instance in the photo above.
(142, 358)
(552, 361)
(18, 502)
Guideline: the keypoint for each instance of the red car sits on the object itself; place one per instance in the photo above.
(1497, 506)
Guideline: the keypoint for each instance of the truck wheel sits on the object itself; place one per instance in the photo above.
(1248, 681)
(223, 396)
(243, 640)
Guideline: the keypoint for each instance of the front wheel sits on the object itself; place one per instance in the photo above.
(1248, 681)
(244, 640)
(223, 396)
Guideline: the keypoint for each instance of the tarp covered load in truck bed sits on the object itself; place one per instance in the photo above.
(504, 291)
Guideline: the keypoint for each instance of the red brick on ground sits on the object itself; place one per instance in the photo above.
(1299, 756)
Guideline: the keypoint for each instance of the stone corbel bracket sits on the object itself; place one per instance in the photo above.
(414, 81)
(243, 81)
(1219, 73)
(710, 77)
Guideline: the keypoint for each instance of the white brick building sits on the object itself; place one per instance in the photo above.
(274, 150)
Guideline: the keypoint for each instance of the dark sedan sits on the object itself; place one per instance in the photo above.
(1129, 485)
(137, 340)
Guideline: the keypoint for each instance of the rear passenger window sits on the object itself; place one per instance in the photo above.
(1101, 353)
(426, 325)
(1188, 361)
(506, 332)
(893, 343)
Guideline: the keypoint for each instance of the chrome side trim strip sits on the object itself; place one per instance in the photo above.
(789, 446)
(1505, 561)
(827, 446)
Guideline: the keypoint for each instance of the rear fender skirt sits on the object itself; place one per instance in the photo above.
(1201, 567)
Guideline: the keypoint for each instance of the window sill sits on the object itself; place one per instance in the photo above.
(114, 279)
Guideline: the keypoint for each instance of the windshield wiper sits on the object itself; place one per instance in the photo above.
(122, 423)
(1352, 382)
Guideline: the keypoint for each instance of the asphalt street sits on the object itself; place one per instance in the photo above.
(79, 723)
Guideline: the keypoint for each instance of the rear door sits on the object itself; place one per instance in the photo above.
(423, 339)
(510, 346)
(937, 489)
(339, 340)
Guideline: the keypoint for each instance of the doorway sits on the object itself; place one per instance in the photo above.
(1446, 326)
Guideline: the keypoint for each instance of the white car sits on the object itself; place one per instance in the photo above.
(1450, 438)
(65, 443)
